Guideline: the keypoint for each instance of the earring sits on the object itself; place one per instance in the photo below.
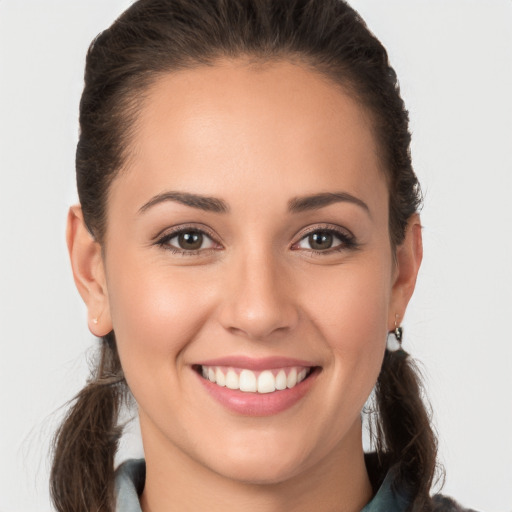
(394, 342)
(398, 332)
(95, 321)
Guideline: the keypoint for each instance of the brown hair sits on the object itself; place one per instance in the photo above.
(154, 37)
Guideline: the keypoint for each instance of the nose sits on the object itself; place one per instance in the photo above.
(258, 299)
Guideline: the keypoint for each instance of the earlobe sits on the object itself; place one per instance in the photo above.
(408, 260)
(88, 272)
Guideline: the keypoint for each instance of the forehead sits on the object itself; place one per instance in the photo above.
(236, 127)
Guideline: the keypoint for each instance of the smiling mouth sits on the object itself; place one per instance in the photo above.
(248, 381)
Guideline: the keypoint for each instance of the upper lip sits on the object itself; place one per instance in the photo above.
(256, 364)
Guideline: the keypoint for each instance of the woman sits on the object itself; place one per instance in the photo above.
(247, 237)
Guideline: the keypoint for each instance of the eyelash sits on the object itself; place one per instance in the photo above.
(347, 240)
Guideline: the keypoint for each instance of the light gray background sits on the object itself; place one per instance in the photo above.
(454, 61)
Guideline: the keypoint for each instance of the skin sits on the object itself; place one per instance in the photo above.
(255, 137)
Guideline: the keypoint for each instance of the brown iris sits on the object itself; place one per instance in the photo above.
(190, 240)
(320, 240)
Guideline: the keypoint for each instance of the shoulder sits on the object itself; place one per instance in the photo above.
(442, 503)
(129, 484)
(390, 494)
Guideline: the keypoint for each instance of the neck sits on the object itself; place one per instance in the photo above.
(338, 483)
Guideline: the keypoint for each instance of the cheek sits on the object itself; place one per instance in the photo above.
(351, 313)
(350, 304)
(154, 315)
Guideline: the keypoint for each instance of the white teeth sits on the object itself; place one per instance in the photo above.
(266, 382)
(232, 380)
(281, 380)
(248, 381)
(291, 380)
(220, 378)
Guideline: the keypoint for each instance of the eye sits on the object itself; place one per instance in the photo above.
(319, 240)
(187, 241)
(326, 241)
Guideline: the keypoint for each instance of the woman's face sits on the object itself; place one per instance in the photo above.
(246, 242)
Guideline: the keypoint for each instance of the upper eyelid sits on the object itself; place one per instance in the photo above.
(174, 231)
(324, 227)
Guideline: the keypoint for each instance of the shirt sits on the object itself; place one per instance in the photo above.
(130, 477)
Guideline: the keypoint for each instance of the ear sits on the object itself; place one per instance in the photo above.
(88, 272)
(408, 260)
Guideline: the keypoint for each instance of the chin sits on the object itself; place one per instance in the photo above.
(266, 471)
(269, 461)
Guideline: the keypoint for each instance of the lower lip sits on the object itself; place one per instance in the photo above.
(258, 404)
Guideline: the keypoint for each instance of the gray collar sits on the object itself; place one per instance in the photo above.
(131, 474)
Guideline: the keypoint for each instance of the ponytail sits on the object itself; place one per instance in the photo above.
(82, 474)
(404, 434)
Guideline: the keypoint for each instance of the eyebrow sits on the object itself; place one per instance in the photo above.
(295, 205)
(208, 204)
(317, 201)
